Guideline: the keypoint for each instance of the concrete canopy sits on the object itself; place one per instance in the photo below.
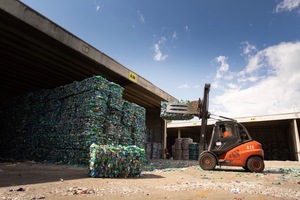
(38, 54)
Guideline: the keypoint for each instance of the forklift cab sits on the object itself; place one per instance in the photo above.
(227, 135)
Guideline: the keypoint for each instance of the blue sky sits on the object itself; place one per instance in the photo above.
(249, 51)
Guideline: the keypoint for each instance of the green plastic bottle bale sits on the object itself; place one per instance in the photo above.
(108, 161)
(174, 116)
(193, 151)
(115, 103)
(128, 114)
(115, 100)
(114, 117)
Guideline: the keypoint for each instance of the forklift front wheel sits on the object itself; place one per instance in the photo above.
(256, 164)
(207, 161)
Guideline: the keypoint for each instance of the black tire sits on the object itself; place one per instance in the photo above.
(246, 168)
(255, 164)
(207, 161)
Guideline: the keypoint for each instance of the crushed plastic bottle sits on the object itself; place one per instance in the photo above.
(235, 190)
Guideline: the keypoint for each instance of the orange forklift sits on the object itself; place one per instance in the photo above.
(230, 143)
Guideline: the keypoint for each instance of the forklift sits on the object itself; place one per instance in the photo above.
(230, 143)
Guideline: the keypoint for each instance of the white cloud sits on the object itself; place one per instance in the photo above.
(269, 84)
(183, 86)
(164, 43)
(232, 86)
(287, 5)
(163, 39)
(223, 68)
(141, 17)
(97, 4)
(158, 55)
(248, 48)
(174, 36)
(187, 28)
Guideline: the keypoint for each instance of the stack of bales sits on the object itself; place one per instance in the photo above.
(156, 150)
(185, 147)
(178, 149)
(181, 148)
(59, 125)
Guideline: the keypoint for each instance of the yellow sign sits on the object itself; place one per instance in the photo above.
(132, 77)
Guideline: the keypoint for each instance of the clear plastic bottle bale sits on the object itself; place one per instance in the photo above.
(178, 143)
(148, 150)
(157, 150)
(178, 149)
(185, 147)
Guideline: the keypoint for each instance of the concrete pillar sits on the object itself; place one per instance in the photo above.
(295, 136)
(164, 140)
(179, 133)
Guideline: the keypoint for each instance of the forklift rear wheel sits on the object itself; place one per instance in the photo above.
(207, 161)
(256, 164)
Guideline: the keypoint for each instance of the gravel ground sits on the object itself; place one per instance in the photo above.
(161, 179)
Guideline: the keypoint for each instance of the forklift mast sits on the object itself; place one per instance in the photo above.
(204, 115)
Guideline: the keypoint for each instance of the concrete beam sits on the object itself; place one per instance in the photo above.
(285, 116)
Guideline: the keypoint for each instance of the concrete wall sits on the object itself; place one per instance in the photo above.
(155, 125)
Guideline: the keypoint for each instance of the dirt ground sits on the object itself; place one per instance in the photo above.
(161, 179)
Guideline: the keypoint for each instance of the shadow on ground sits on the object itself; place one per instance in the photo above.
(21, 173)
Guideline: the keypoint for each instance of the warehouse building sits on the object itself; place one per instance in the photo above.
(38, 54)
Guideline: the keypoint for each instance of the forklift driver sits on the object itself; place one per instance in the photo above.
(225, 132)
